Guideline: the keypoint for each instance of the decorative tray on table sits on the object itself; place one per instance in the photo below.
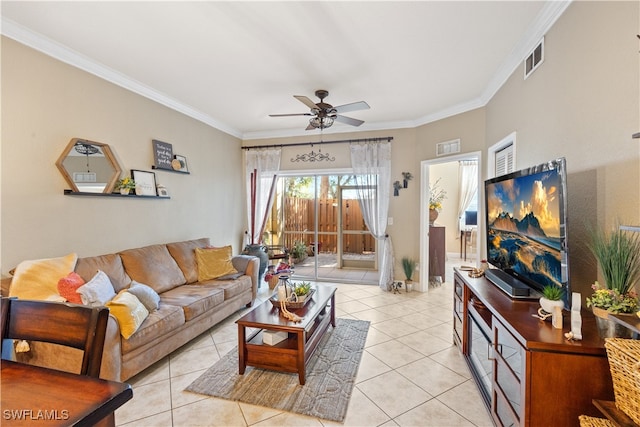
(293, 305)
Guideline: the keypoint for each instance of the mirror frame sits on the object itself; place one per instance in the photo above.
(108, 154)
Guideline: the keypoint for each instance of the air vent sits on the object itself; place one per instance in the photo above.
(449, 147)
(535, 58)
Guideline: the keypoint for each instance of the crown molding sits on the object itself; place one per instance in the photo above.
(62, 53)
(545, 20)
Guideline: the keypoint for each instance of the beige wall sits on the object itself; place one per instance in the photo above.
(583, 103)
(45, 103)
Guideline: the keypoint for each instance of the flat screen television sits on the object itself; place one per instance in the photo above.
(526, 230)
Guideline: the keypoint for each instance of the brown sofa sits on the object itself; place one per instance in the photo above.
(187, 307)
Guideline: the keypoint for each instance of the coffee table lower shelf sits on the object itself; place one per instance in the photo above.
(293, 353)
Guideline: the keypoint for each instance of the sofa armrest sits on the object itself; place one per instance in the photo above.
(5, 284)
(251, 266)
(110, 369)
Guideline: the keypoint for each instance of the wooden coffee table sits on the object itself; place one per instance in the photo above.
(292, 354)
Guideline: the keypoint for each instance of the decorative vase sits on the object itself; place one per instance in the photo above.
(433, 215)
(124, 191)
(260, 252)
(607, 328)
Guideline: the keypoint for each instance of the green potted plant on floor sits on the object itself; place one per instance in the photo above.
(409, 266)
(298, 252)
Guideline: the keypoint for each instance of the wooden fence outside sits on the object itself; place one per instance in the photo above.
(299, 225)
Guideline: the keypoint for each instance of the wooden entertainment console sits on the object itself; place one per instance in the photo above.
(528, 373)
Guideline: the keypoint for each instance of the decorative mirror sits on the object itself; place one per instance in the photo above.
(88, 166)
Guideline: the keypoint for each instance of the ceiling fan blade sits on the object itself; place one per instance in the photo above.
(293, 114)
(349, 120)
(306, 101)
(354, 106)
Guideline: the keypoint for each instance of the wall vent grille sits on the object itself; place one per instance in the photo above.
(448, 147)
(534, 59)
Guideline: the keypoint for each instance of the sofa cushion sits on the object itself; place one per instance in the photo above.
(194, 299)
(38, 279)
(185, 255)
(111, 264)
(97, 291)
(154, 266)
(231, 288)
(161, 322)
(129, 311)
(214, 263)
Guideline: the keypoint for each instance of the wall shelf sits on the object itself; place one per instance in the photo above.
(129, 196)
(169, 170)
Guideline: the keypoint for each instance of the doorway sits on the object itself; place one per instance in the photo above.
(448, 217)
(321, 212)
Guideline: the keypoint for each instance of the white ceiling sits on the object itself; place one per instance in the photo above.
(231, 64)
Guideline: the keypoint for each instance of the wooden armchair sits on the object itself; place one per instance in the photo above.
(66, 324)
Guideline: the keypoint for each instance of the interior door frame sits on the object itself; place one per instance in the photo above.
(424, 209)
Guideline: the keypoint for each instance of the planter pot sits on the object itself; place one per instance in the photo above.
(433, 215)
(124, 191)
(608, 328)
(548, 305)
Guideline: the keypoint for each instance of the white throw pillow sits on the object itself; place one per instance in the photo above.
(97, 291)
(146, 295)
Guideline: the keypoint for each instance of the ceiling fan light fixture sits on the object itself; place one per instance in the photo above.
(321, 122)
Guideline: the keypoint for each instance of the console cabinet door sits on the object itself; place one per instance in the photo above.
(508, 401)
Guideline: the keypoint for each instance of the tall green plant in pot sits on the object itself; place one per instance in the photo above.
(408, 266)
(618, 255)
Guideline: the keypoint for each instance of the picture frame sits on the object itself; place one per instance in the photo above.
(145, 182)
(162, 154)
(181, 164)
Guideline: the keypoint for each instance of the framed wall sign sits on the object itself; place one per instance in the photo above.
(145, 182)
(162, 154)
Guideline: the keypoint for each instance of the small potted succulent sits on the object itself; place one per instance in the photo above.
(551, 298)
(302, 290)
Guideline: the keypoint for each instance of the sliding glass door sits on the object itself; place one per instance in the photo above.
(321, 214)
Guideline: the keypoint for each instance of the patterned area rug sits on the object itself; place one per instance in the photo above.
(331, 374)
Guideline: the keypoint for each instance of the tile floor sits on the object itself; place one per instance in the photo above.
(410, 374)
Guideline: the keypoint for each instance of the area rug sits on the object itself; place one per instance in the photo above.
(330, 377)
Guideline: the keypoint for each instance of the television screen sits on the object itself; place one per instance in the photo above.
(526, 225)
(471, 218)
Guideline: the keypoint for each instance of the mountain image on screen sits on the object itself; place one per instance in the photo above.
(523, 228)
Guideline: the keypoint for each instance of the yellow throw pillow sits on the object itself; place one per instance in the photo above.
(214, 262)
(129, 311)
(38, 279)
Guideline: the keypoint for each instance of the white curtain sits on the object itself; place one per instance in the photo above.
(468, 179)
(261, 171)
(371, 163)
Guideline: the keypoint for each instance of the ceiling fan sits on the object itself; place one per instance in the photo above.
(323, 114)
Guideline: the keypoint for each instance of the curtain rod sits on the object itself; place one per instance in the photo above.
(341, 141)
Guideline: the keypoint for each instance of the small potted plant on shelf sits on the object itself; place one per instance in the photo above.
(125, 185)
(551, 298)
